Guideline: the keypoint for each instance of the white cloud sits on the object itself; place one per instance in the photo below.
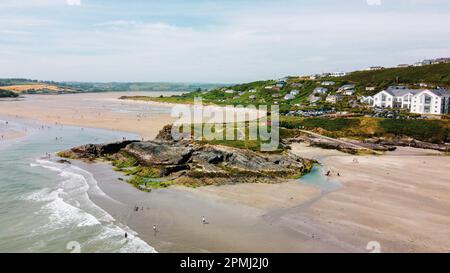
(73, 2)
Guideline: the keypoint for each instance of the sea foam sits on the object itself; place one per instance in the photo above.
(68, 206)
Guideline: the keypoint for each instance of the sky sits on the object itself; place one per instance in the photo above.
(212, 41)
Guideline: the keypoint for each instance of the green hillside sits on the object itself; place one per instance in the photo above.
(438, 74)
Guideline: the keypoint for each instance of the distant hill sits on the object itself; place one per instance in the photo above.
(29, 88)
(34, 86)
(438, 74)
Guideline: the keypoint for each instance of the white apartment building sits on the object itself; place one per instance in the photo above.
(419, 101)
(394, 97)
(435, 102)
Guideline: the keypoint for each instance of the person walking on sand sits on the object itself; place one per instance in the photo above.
(204, 220)
(155, 230)
(126, 235)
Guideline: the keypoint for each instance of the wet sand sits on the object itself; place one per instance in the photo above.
(10, 134)
(96, 110)
(9, 131)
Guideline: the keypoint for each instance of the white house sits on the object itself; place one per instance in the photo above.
(328, 83)
(374, 68)
(295, 92)
(229, 91)
(349, 92)
(320, 90)
(394, 97)
(338, 74)
(313, 99)
(296, 84)
(289, 97)
(436, 102)
(334, 98)
(383, 99)
(370, 88)
(366, 99)
(347, 87)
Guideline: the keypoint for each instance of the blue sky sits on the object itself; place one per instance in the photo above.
(214, 41)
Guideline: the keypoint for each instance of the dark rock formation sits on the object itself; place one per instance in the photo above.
(165, 134)
(198, 164)
(409, 142)
(347, 146)
(92, 151)
(159, 153)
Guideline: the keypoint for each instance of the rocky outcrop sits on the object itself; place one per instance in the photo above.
(409, 142)
(159, 153)
(199, 164)
(348, 147)
(165, 134)
(92, 151)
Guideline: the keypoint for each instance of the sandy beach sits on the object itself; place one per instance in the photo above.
(96, 110)
(400, 200)
(235, 215)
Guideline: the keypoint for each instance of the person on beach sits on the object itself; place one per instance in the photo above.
(204, 220)
(126, 235)
(155, 230)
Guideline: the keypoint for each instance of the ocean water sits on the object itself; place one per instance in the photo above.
(45, 206)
